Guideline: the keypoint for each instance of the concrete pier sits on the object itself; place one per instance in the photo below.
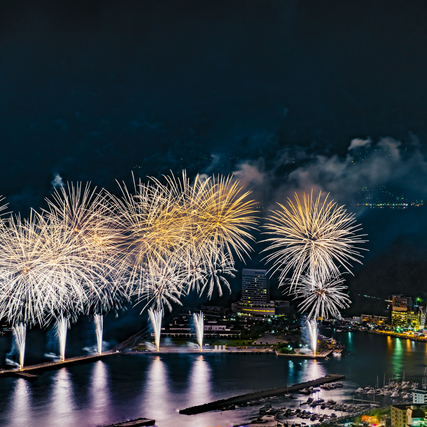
(30, 372)
(134, 423)
(244, 398)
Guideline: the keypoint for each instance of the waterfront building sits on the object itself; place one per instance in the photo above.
(372, 318)
(407, 416)
(401, 303)
(419, 397)
(182, 327)
(398, 415)
(255, 301)
(406, 319)
(255, 287)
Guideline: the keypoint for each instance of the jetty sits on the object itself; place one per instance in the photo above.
(244, 398)
(134, 423)
(30, 372)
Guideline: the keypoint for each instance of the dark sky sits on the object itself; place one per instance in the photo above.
(289, 95)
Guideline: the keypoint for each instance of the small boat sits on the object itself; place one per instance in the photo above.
(395, 394)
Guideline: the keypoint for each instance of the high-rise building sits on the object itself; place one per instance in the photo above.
(255, 302)
(255, 287)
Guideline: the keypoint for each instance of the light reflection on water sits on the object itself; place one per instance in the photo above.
(156, 390)
(100, 393)
(200, 383)
(120, 388)
(20, 411)
(62, 407)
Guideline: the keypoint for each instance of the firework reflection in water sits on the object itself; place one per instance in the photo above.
(312, 330)
(19, 333)
(62, 326)
(99, 326)
(199, 322)
(156, 317)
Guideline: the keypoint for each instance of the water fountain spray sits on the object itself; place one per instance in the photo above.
(62, 326)
(20, 332)
(99, 326)
(156, 317)
(312, 330)
(199, 322)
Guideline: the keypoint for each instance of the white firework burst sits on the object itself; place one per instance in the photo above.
(322, 297)
(312, 236)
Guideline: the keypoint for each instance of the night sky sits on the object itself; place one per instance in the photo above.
(288, 95)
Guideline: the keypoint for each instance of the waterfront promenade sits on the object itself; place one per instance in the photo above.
(244, 398)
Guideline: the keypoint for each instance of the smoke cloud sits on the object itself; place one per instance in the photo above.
(387, 167)
(57, 181)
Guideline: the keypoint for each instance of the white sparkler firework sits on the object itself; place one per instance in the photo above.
(199, 322)
(19, 332)
(62, 326)
(99, 324)
(156, 317)
(312, 330)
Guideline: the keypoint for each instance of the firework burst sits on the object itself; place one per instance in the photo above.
(86, 218)
(323, 297)
(312, 236)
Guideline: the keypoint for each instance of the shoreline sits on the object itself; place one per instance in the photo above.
(397, 335)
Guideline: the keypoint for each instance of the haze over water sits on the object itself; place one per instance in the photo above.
(153, 386)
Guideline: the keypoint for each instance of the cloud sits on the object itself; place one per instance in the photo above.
(57, 181)
(358, 142)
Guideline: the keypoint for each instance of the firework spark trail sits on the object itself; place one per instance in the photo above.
(156, 317)
(19, 332)
(312, 235)
(199, 322)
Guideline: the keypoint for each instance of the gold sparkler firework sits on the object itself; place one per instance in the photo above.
(193, 227)
(312, 237)
(218, 220)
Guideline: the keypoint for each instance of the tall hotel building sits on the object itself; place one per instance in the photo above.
(255, 302)
(255, 287)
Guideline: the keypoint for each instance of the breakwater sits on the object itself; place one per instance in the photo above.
(30, 372)
(244, 398)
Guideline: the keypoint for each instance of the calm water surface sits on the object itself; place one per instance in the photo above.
(116, 389)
